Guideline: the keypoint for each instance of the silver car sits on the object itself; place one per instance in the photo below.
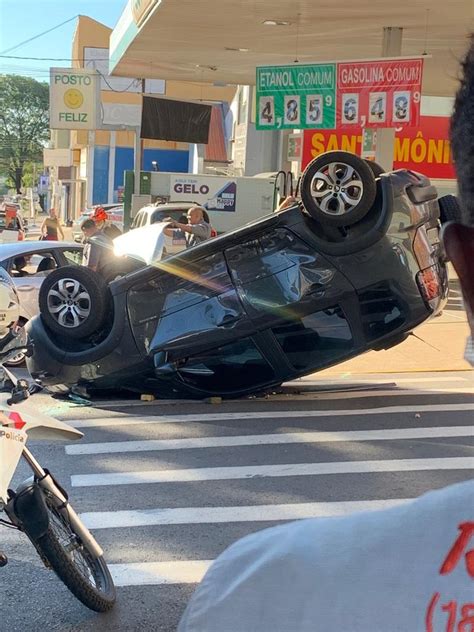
(28, 263)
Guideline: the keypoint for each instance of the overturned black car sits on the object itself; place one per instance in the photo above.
(357, 265)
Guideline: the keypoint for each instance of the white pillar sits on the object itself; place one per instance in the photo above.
(90, 167)
(111, 167)
(391, 47)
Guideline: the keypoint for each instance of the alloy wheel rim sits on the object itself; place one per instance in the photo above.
(69, 303)
(337, 188)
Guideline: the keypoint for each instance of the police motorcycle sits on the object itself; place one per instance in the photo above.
(39, 506)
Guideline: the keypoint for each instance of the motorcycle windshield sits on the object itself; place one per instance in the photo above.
(144, 244)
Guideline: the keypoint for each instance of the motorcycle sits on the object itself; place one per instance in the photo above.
(39, 507)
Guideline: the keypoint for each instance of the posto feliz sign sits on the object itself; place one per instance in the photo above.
(73, 99)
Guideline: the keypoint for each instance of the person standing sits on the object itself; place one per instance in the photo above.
(196, 230)
(103, 224)
(51, 228)
(98, 248)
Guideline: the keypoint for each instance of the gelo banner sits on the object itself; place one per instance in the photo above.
(425, 148)
(379, 93)
(214, 193)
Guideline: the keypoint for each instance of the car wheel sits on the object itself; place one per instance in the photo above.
(74, 301)
(338, 188)
(449, 209)
(376, 169)
(16, 360)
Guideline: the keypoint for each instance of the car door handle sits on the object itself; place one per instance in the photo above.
(25, 288)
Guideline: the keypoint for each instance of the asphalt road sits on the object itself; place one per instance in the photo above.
(167, 486)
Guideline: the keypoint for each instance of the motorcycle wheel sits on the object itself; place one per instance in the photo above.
(86, 577)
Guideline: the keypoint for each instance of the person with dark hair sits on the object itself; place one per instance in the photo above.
(98, 248)
(20, 264)
(408, 568)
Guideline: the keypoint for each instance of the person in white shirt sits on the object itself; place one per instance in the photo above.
(406, 569)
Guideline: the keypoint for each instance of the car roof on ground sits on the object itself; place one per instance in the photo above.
(19, 248)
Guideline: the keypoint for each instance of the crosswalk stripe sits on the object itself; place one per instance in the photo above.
(158, 573)
(214, 515)
(276, 414)
(352, 380)
(270, 439)
(280, 470)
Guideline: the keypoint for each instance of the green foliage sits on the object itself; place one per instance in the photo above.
(24, 124)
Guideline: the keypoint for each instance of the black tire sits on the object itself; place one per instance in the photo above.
(74, 301)
(376, 169)
(342, 204)
(97, 591)
(449, 209)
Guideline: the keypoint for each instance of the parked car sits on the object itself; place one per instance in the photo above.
(357, 265)
(177, 211)
(28, 263)
(12, 226)
(114, 212)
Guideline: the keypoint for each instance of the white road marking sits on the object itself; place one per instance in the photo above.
(373, 380)
(158, 573)
(280, 470)
(276, 414)
(214, 515)
(269, 439)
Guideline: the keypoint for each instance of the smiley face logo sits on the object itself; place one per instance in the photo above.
(73, 98)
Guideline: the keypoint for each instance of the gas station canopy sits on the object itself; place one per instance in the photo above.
(222, 42)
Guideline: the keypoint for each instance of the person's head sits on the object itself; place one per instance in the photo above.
(195, 215)
(99, 216)
(52, 213)
(89, 228)
(19, 263)
(458, 239)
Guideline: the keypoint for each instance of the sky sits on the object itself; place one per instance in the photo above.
(24, 19)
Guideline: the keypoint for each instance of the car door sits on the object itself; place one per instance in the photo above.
(279, 277)
(192, 307)
(29, 278)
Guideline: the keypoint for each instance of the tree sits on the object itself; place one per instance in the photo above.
(24, 124)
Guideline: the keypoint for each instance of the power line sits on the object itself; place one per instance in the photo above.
(37, 36)
(49, 58)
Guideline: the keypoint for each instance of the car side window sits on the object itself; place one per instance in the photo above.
(157, 216)
(32, 264)
(137, 219)
(73, 256)
(228, 368)
(315, 339)
(271, 253)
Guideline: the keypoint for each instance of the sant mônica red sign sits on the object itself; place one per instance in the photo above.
(425, 148)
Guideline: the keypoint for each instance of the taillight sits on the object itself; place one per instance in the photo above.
(429, 283)
(422, 248)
